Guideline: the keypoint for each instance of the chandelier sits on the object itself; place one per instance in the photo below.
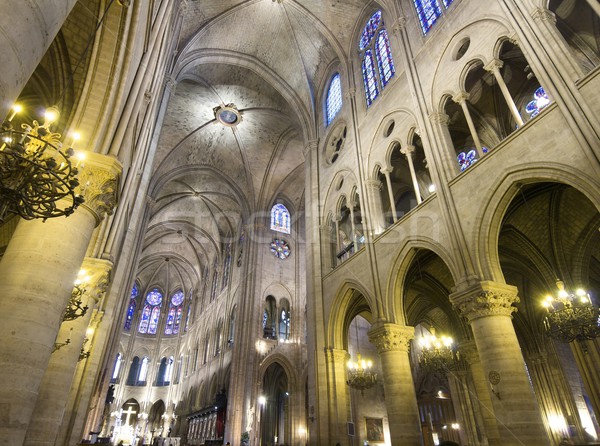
(360, 375)
(437, 354)
(35, 174)
(571, 316)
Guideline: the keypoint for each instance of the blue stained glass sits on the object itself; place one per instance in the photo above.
(368, 69)
(446, 3)
(154, 320)
(177, 298)
(134, 291)
(369, 30)
(540, 100)
(187, 319)
(334, 98)
(143, 328)
(170, 321)
(130, 313)
(280, 218)
(428, 11)
(384, 58)
(177, 320)
(154, 297)
(467, 158)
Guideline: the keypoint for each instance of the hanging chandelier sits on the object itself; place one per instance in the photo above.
(35, 174)
(360, 375)
(437, 353)
(572, 316)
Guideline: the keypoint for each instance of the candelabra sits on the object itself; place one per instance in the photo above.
(572, 316)
(360, 375)
(35, 174)
(437, 354)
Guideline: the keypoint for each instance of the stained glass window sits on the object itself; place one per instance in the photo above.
(117, 368)
(369, 30)
(375, 45)
(151, 313)
(187, 319)
(143, 370)
(446, 2)
(540, 100)
(428, 11)
(368, 69)
(226, 267)
(280, 249)
(334, 98)
(466, 158)
(384, 58)
(284, 325)
(280, 218)
(174, 314)
(131, 309)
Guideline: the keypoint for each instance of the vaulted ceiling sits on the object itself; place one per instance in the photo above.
(268, 58)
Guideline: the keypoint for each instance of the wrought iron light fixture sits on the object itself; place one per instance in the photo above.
(75, 308)
(572, 316)
(35, 174)
(437, 354)
(360, 375)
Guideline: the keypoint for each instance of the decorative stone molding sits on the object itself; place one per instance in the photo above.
(99, 184)
(337, 355)
(391, 337)
(386, 170)
(147, 96)
(399, 25)
(184, 6)
(543, 15)
(493, 65)
(485, 299)
(350, 93)
(373, 184)
(407, 150)
(468, 350)
(97, 272)
(461, 97)
(171, 84)
(310, 147)
(439, 118)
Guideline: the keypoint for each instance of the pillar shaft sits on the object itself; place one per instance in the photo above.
(392, 343)
(461, 99)
(374, 189)
(24, 42)
(339, 406)
(38, 269)
(408, 151)
(56, 383)
(488, 308)
(494, 67)
(388, 182)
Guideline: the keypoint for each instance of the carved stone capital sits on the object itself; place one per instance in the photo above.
(99, 183)
(485, 299)
(439, 118)
(337, 355)
(96, 319)
(171, 84)
(96, 277)
(310, 147)
(399, 25)
(373, 184)
(350, 93)
(386, 170)
(461, 97)
(391, 337)
(543, 15)
(407, 150)
(493, 65)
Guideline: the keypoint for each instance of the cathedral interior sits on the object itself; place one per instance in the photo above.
(301, 222)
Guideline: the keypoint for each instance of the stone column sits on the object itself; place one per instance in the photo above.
(483, 408)
(27, 29)
(392, 342)
(326, 260)
(594, 5)
(388, 182)
(351, 206)
(464, 408)
(374, 191)
(494, 68)
(488, 308)
(339, 403)
(408, 152)
(56, 383)
(461, 99)
(38, 270)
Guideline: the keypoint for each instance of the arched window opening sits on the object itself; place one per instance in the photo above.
(226, 267)
(188, 317)
(116, 368)
(280, 218)
(578, 24)
(141, 380)
(269, 318)
(205, 352)
(134, 369)
(334, 98)
(231, 328)
(218, 339)
(165, 369)
(429, 11)
(174, 314)
(179, 367)
(215, 282)
(374, 44)
(284, 321)
(131, 308)
(151, 312)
